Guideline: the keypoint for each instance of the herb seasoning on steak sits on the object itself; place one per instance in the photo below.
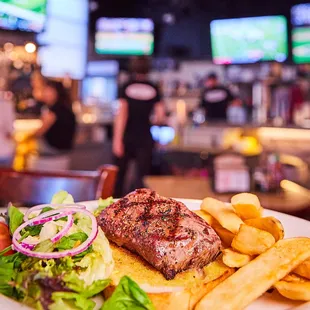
(161, 230)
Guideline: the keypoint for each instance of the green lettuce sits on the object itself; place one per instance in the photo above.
(102, 204)
(16, 218)
(62, 197)
(75, 284)
(70, 301)
(128, 295)
(8, 271)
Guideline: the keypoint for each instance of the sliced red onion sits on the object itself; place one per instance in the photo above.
(72, 252)
(65, 229)
(28, 245)
(44, 218)
(57, 237)
(54, 206)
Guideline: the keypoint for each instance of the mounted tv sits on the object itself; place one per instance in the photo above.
(23, 15)
(249, 40)
(124, 36)
(300, 17)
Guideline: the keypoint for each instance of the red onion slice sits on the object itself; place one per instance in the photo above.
(65, 229)
(54, 206)
(44, 218)
(72, 252)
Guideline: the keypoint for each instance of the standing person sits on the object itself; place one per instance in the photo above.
(56, 134)
(215, 99)
(132, 136)
(7, 118)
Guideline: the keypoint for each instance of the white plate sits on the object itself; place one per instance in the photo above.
(293, 226)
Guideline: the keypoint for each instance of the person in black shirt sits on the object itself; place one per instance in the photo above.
(215, 99)
(132, 136)
(56, 134)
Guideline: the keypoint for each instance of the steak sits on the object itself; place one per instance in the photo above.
(161, 230)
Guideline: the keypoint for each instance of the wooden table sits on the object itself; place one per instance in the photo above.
(199, 188)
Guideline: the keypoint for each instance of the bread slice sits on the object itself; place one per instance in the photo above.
(181, 293)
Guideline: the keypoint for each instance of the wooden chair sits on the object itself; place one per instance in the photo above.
(35, 187)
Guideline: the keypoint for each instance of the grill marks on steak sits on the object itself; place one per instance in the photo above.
(161, 230)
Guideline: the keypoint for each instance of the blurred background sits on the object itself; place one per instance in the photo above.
(233, 79)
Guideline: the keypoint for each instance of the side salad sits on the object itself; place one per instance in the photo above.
(60, 259)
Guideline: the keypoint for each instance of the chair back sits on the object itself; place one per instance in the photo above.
(36, 187)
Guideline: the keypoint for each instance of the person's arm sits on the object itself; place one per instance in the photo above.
(119, 128)
(159, 113)
(48, 119)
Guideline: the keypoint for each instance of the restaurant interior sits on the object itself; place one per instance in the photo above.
(256, 53)
(154, 155)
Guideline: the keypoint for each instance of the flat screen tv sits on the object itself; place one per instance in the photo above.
(301, 45)
(124, 36)
(249, 40)
(24, 15)
(300, 14)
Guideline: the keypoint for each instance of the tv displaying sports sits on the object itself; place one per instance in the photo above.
(124, 36)
(249, 40)
(24, 15)
(301, 45)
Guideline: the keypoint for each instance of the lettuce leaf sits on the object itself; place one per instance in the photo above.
(102, 204)
(73, 282)
(71, 301)
(62, 197)
(8, 266)
(128, 295)
(69, 242)
(98, 264)
(16, 218)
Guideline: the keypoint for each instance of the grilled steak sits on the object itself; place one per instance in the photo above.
(161, 230)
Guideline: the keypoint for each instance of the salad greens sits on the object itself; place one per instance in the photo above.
(128, 295)
(62, 197)
(70, 282)
(103, 203)
(15, 218)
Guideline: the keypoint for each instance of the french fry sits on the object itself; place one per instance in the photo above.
(304, 269)
(252, 241)
(223, 213)
(269, 224)
(247, 206)
(206, 216)
(225, 235)
(293, 278)
(234, 259)
(254, 279)
(294, 290)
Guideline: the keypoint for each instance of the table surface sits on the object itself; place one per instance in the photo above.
(199, 188)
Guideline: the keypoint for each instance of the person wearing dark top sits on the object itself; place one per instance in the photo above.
(132, 138)
(215, 99)
(56, 134)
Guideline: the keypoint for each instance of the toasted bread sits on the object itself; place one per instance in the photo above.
(182, 293)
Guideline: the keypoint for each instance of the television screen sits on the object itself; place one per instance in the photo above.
(301, 44)
(300, 14)
(124, 36)
(24, 15)
(249, 40)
